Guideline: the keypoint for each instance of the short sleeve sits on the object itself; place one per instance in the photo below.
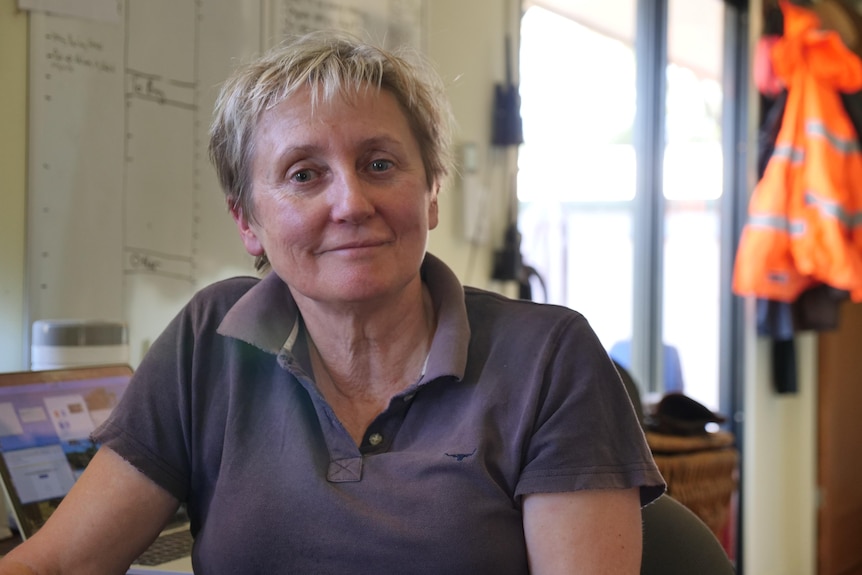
(585, 432)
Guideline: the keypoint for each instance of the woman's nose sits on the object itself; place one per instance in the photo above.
(350, 198)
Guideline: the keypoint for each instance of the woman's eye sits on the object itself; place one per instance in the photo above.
(302, 176)
(380, 165)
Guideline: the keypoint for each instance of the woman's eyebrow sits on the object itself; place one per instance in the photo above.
(383, 139)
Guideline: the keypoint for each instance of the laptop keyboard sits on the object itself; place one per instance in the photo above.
(167, 547)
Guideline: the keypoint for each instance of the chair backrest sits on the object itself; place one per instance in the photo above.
(632, 389)
(678, 542)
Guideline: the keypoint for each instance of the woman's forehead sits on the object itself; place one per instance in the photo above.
(302, 107)
(370, 120)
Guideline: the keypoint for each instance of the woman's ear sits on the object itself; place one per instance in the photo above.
(246, 229)
(433, 207)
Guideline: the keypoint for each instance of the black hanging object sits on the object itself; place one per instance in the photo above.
(508, 129)
(507, 261)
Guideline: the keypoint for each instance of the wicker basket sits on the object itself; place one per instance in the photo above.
(700, 471)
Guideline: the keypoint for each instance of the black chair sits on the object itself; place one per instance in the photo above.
(632, 389)
(678, 542)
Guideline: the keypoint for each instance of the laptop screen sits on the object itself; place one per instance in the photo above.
(46, 418)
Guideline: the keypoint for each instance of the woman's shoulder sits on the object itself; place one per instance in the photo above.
(229, 289)
(214, 300)
(487, 303)
(518, 321)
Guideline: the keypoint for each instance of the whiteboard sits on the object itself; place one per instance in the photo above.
(125, 216)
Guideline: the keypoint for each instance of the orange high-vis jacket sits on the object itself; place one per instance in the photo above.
(805, 214)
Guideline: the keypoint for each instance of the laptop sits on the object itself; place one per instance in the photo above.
(46, 418)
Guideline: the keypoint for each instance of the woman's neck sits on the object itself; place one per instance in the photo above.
(359, 365)
(381, 350)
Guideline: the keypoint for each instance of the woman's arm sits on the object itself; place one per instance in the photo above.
(584, 532)
(110, 516)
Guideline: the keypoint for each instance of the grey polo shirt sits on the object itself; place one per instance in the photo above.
(517, 398)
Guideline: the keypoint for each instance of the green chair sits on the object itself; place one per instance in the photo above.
(678, 542)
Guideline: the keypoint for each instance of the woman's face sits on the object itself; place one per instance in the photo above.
(341, 201)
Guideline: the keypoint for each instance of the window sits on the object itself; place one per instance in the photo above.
(621, 179)
(577, 168)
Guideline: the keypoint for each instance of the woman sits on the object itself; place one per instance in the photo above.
(357, 410)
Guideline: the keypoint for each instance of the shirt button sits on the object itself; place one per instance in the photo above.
(375, 439)
(409, 397)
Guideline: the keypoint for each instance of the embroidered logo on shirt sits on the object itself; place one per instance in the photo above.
(460, 456)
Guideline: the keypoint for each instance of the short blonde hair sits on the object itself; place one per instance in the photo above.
(331, 64)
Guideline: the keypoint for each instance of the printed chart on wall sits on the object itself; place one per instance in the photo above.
(125, 217)
(388, 22)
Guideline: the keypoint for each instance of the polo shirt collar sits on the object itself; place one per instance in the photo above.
(267, 317)
(264, 316)
(448, 353)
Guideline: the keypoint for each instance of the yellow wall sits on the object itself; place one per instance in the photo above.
(780, 462)
(13, 177)
(466, 42)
